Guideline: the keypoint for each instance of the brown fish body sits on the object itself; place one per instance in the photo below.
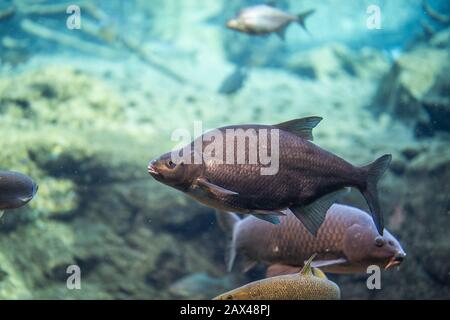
(300, 286)
(306, 181)
(306, 173)
(347, 242)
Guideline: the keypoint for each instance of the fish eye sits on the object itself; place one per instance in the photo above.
(379, 242)
(170, 164)
(229, 297)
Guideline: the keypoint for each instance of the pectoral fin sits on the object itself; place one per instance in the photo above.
(214, 189)
(2, 212)
(249, 264)
(280, 270)
(313, 215)
(326, 263)
(269, 218)
(300, 127)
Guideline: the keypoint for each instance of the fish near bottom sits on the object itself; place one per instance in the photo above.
(305, 285)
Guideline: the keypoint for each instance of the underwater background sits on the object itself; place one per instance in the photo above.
(82, 111)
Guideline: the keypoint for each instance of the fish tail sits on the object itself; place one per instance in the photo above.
(227, 222)
(301, 18)
(374, 171)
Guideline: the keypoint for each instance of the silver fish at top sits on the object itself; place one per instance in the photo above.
(264, 19)
(16, 190)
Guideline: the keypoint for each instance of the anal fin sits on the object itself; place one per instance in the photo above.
(313, 215)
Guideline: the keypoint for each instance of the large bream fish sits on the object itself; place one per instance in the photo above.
(301, 177)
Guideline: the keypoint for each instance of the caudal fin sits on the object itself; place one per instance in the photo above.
(374, 173)
(301, 18)
(227, 222)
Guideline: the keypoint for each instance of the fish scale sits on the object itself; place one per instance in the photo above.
(326, 240)
(303, 170)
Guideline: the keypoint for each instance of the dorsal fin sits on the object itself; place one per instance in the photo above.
(306, 270)
(300, 127)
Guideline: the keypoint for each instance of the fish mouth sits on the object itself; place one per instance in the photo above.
(152, 170)
(395, 260)
(232, 24)
(25, 200)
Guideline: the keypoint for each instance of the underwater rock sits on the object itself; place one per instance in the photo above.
(441, 39)
(335, 61)
(437, 262)
(13, 51)
(129, 238)
(199, 286)
(429, 246)
(416, 90)
(316, 64)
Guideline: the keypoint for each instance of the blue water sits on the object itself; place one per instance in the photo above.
(89, 94)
